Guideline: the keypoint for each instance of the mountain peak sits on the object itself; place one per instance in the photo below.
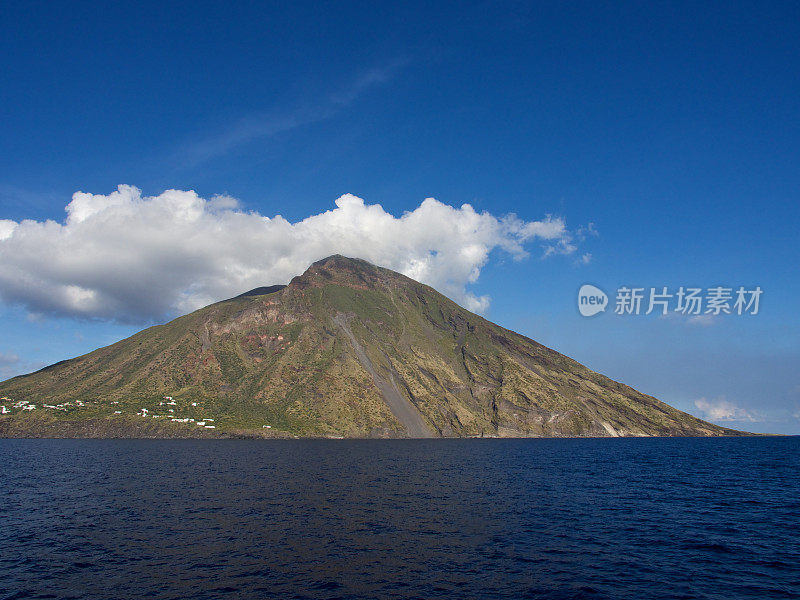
(339, 261)
(345, 271)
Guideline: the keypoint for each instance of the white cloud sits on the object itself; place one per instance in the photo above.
(720, 409)
(6, 229)
(128, 257)
(563, 246)
(701, 320)
(691, 320)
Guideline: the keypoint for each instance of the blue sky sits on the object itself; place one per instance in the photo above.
(673, 129)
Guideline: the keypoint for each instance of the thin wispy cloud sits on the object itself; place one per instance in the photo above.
(271, 123)
(19, 197)
(11, 365)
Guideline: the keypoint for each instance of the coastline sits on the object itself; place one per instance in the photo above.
(136, 428)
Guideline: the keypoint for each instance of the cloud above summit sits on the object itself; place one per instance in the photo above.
(128, 257)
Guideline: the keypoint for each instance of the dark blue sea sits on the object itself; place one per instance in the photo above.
(583, 518)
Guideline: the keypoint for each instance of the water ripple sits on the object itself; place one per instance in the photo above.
(553, 519)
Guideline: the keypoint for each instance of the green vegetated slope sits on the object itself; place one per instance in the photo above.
(346, 349)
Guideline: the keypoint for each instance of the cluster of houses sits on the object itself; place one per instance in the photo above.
(168, 401)
(23, 404)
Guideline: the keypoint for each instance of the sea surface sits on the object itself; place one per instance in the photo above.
(543, 518)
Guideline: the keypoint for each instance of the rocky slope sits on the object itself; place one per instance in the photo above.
(346, 349)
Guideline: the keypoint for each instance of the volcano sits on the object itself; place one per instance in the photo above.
(347, 349)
